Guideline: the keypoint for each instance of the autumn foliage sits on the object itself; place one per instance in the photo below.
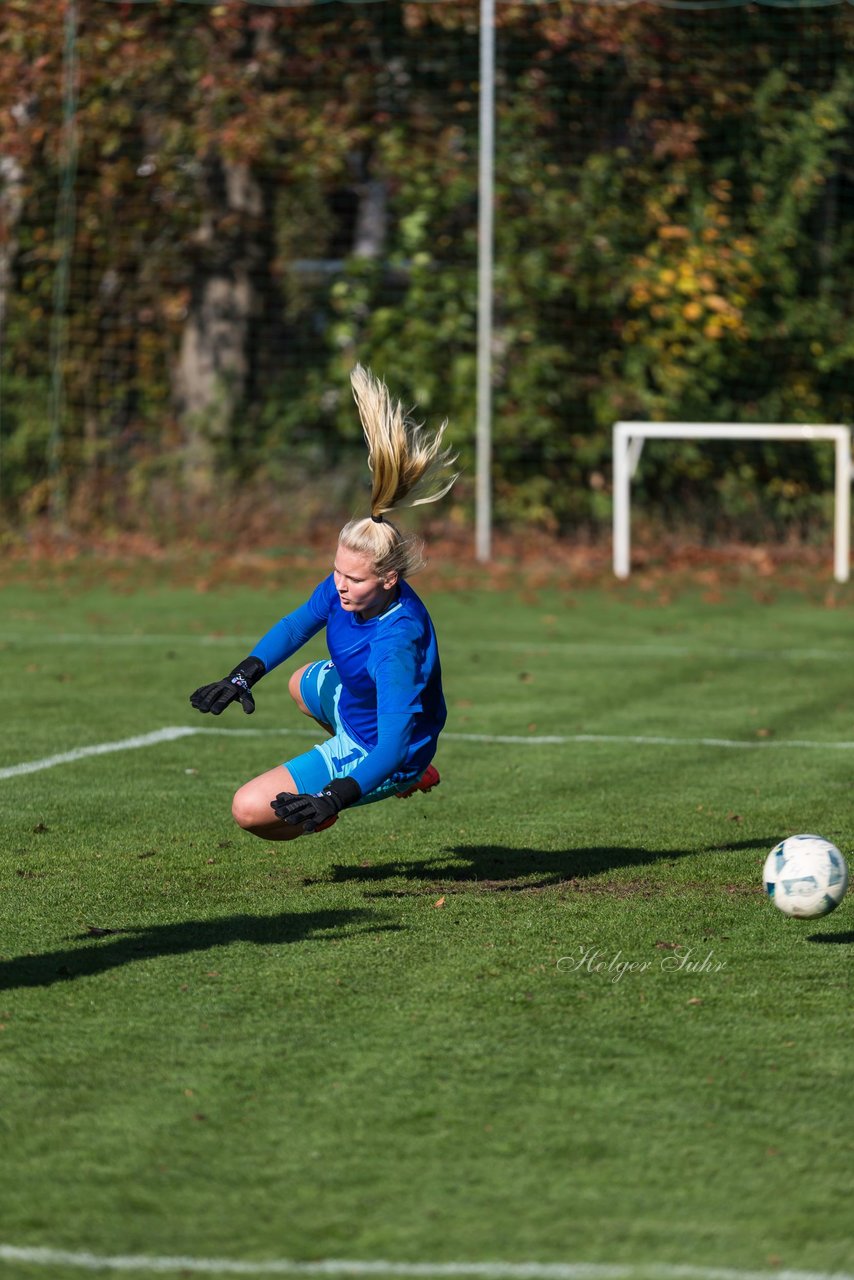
(247, 199)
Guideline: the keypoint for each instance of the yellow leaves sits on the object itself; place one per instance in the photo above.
(690, 287)
(722, 190)
(829, 121)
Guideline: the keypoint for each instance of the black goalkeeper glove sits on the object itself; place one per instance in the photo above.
(316, 809)
(217, 696)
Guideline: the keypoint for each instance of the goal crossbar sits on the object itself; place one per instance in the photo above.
(628, 442)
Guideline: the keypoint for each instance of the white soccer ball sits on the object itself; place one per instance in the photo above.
(805, 876)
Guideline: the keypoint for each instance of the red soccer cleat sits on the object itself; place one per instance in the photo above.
(428, 780)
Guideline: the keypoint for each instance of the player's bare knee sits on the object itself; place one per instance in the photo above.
(243, 810)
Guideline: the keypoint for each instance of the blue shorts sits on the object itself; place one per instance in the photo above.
(320, 690)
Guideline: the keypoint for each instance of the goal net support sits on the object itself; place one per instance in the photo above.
(629, 440)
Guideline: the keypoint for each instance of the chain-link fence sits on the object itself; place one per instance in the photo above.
(210, 212)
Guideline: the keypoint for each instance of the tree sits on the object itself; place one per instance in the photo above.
(266, 195)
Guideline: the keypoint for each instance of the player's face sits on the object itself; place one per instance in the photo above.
(359, 589)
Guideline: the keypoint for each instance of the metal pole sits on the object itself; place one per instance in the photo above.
(64, 239)
(486, 186)
(842, 505)
(622, 499)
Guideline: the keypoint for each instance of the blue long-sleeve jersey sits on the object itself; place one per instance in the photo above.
(391, 681)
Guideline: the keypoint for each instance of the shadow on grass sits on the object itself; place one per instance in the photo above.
(500, 867)
(842, 938)
(128, 945)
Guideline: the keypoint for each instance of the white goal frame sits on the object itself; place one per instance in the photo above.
(629, 440)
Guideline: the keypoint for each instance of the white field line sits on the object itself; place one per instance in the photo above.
(169, 734)
(96, 749)
(337, 1267)
(174, 732)
(537, 646)
(643, 741)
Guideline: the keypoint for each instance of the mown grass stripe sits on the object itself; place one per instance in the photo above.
(174, 732)
(534, 644)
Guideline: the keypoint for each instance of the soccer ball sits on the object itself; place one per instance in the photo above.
(805, 876)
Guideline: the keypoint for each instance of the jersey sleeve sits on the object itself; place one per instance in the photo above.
(291, 632)
(398, 682)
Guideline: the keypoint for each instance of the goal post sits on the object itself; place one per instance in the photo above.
(628, 444)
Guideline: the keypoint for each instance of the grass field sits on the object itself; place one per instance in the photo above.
(542, 1015)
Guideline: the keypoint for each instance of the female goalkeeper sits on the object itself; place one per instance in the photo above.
(380, 694)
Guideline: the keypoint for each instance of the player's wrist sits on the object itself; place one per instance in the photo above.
(247, 672)
(343, 792)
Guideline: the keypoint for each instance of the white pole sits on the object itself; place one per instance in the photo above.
(842, 508)
(486, 186)
(64, 239)
(628, 440)
(622, 497)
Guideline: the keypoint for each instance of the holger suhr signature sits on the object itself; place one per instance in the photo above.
(615, 965)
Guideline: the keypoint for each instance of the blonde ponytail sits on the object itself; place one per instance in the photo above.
(408, 468)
